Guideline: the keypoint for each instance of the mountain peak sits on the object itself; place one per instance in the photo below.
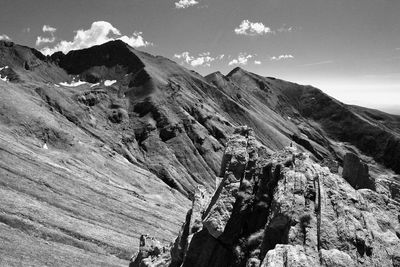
(236, 70)
(109, 54)
(213, 75)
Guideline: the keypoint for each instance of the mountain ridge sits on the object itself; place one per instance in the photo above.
(149, 131)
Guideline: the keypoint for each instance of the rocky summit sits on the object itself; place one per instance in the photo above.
(283, 209)
(109, 152)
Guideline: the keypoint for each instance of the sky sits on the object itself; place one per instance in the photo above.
(348, 48)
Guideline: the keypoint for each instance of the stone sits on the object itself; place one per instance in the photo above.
(293, 256)
(356, 172)
(149, 251)
(336, 258)
(283, 209)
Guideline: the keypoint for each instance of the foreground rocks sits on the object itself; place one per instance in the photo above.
(356, 172)
(282, 209)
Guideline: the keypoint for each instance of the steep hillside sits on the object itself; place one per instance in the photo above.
(67, 197)
(104, 144)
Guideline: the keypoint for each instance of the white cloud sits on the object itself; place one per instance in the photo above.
(44, 40)
(282, 57)
(252, 28)
(4, 37)
(184, 56)
(136, 40)
(47, 28)
(202, 59)
(100, 32)
(185, 3)
(257, 62)
(242, 59)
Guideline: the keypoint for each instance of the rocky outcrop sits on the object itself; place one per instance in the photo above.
(149, 251)
(283, 209)
(192, 225)
(356, 172)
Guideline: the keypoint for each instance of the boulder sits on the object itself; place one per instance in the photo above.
(356, 172)
(150, 250)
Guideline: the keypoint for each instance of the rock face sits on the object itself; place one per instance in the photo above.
(283, 209)
(356, 173)
(149, 251)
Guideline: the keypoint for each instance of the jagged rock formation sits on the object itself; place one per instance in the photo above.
(149, 253)
(356, 173)
(282, 209)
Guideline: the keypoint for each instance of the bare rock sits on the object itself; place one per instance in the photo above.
(356, 172)
(118, 115)
(285, 210)
(287, 255)
(192, 225)
(336, 258)
(150, 250)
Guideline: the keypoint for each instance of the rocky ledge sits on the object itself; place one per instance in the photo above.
(281, 209)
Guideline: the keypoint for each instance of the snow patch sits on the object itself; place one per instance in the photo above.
(5, 78)
(109, 82)
(95, 84)
(56, 85)
(73, 83)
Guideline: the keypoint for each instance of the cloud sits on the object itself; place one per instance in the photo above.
(398, 48)
(242, 59)
(26, 30)
(257, 62)
(4, 37)
(100, 32)
(282, 57)
(136, 40)
(252, 28)
(185, 3)
(47, 28)
(202, 59)
(46, 40)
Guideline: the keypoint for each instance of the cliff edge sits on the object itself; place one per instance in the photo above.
(283, 209)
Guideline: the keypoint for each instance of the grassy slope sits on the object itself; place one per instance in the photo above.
(78, 196)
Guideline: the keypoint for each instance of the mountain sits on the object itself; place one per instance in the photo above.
(102, 145)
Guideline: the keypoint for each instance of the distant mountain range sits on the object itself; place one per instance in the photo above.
(104, 144)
